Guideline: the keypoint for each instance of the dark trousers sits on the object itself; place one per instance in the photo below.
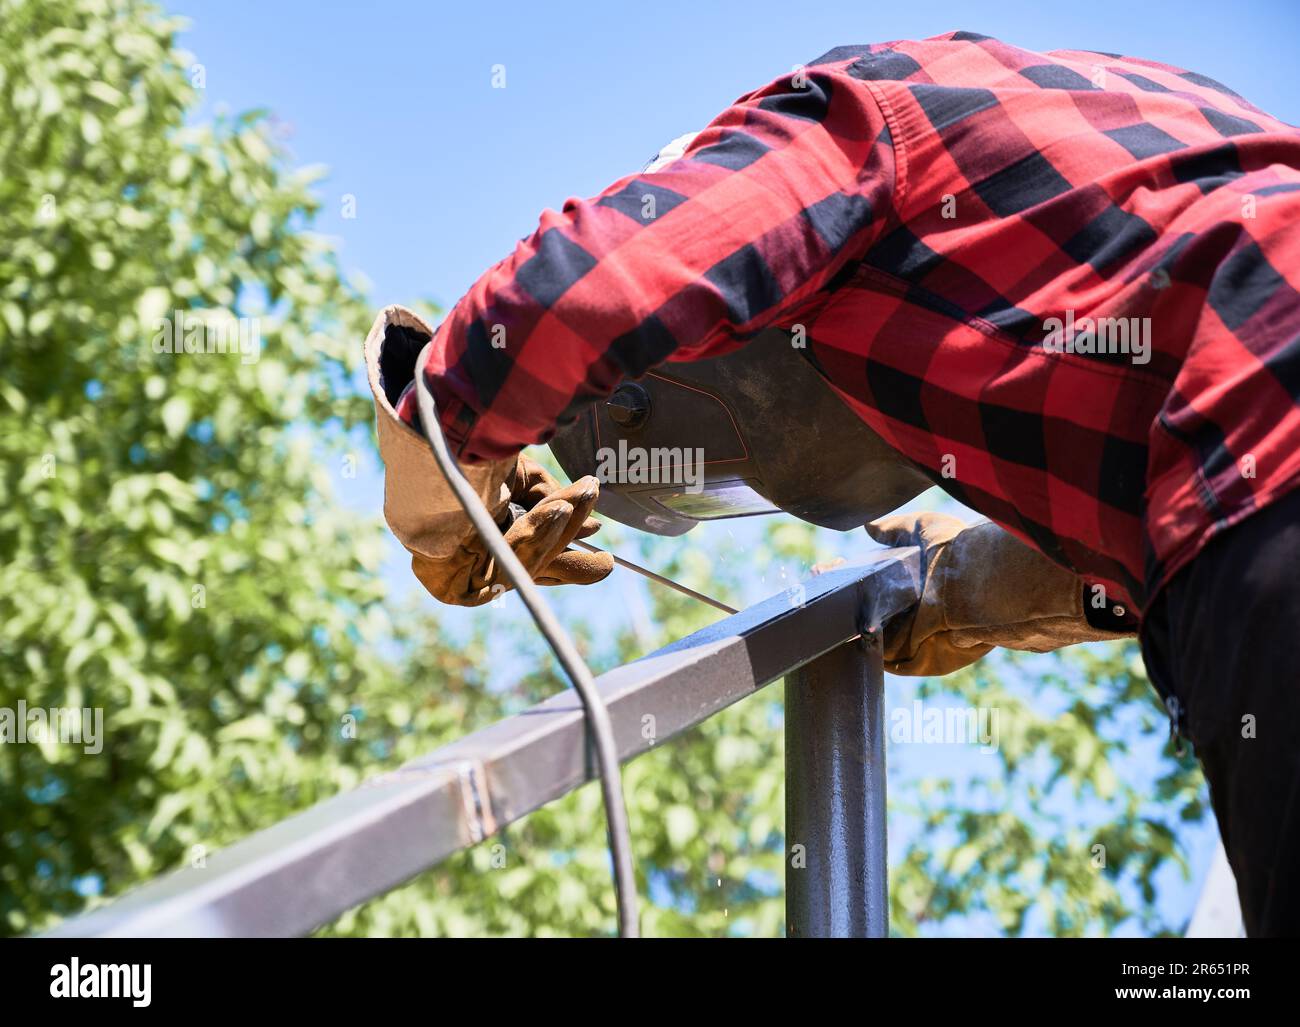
(1222, 647)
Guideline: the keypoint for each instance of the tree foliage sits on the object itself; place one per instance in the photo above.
(171, 552)
(175, 552)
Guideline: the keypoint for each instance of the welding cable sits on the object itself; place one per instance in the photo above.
(602, 731)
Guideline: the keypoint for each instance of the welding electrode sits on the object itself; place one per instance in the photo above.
(657, 577)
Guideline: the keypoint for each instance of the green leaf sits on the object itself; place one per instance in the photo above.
(682, 825)
(175, 415)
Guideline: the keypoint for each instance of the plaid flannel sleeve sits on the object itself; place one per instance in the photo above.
(691, 260)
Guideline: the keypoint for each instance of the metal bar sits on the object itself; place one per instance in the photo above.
(306, 870)
(835, 878)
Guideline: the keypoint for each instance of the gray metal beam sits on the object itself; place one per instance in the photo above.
(306, 870)
(836, 877)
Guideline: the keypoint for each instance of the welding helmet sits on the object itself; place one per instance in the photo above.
(753, 432)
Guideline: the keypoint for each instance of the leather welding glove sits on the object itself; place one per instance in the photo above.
(554, 517)
(980, 587)
(447, 555)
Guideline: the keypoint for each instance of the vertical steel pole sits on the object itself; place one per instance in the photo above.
(835, 877)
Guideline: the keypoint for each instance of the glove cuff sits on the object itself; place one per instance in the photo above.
(419, 505)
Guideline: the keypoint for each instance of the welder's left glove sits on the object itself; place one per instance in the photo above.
(981, 587)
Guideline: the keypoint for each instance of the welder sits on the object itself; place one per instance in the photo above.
(921, 220)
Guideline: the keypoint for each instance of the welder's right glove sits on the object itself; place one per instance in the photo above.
(447, 555)
(981, 587)
(554, 516)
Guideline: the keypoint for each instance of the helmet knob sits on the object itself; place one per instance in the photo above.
(629, 407)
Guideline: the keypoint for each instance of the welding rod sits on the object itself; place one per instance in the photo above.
(657, 577)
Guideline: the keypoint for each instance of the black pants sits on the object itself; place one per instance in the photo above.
(1222, 647)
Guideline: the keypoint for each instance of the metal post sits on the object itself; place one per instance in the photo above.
(835, 877)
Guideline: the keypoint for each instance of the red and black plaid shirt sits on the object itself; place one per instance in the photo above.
(923, 209)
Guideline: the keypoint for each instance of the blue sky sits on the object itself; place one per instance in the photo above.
(447, 173)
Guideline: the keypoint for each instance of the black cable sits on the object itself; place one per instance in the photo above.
(611, 782)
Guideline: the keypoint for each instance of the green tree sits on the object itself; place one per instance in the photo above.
(170, 550)
(173, 551)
